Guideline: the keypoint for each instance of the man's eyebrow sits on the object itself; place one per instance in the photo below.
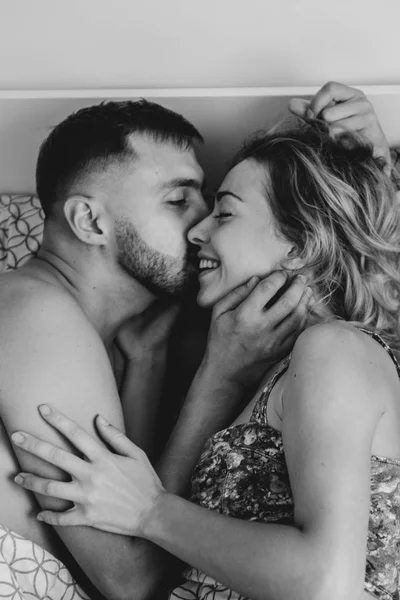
(182, 182)
(222, 193)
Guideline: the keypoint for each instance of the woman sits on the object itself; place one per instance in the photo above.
(298, 498)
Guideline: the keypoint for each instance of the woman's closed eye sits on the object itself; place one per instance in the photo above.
(223, 215)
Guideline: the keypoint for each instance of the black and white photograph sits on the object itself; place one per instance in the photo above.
(199, 300)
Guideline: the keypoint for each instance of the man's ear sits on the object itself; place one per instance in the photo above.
(87, 219)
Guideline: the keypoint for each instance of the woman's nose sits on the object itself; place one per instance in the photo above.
(200, 233)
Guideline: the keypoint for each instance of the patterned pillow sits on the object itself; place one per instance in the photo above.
(21, 229)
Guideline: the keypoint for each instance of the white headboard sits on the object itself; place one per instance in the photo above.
(223, 116)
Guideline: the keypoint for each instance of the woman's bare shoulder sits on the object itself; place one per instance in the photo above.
(337, 341)
(337, 357)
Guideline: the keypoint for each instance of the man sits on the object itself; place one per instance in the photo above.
(120, 186)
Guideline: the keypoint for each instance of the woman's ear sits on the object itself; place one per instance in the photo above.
(293, 262)
(87, 220)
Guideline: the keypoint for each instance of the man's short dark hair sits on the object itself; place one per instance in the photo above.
(97, 136)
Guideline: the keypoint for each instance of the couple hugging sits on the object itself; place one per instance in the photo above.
(280, 477)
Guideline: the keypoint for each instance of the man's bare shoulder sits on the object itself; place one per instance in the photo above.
(28, 303)
(50, 352)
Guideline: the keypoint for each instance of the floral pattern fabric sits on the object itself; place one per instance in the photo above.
(28, 572)
(242, 473)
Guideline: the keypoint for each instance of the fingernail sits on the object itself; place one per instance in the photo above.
(302, 278)
(45, 410)
(101, 421)
(39, 517)
(310, 114)
(254, 280)
(18, 438)
(18, 479)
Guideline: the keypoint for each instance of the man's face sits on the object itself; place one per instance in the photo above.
(157, 201)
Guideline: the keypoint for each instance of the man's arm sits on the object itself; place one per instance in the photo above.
(142, 345)
(60, 359)
(245, 340)
(69, 368)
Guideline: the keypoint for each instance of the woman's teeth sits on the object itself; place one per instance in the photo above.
(208, 264)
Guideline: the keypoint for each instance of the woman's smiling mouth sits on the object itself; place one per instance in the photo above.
(207, 265)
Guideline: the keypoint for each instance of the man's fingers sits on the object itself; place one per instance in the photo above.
(332, 92)
(69, 517)
(291, 327)
(295, 322)
(287, 303)
(72, 431)
(235, 297)
(116, 439)
(52, 454)
(265, 290)
(49, 487)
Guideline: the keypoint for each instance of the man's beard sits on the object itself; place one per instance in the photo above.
(162, 275)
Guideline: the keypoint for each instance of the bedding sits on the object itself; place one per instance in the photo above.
(21, 229)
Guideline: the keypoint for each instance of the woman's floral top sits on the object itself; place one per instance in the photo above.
(242, 473)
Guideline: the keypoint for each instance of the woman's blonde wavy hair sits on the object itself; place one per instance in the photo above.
(332, 199)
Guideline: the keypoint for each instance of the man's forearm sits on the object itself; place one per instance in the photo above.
(141, 391)
(207, 409)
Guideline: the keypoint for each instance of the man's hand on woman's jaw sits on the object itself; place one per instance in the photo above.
(345, 109)
(250, 330)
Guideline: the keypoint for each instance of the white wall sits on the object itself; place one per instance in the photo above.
(108, 44)
(197, 43)
(224, 120)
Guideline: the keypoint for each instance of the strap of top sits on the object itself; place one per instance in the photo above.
(384, 345)
(259, 413)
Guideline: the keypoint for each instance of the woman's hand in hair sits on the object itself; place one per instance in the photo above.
(345, 109)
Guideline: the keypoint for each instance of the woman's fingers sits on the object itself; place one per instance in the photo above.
(52, 454)
(299, 106)
(69, 517)
(50, 487)
(116, 439)
(78, 437)
(232, 300)
(345, 110)
(332, 93)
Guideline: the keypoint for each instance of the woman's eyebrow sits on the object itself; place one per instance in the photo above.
(222, 193)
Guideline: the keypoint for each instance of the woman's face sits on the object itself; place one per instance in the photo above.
(239, 238)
